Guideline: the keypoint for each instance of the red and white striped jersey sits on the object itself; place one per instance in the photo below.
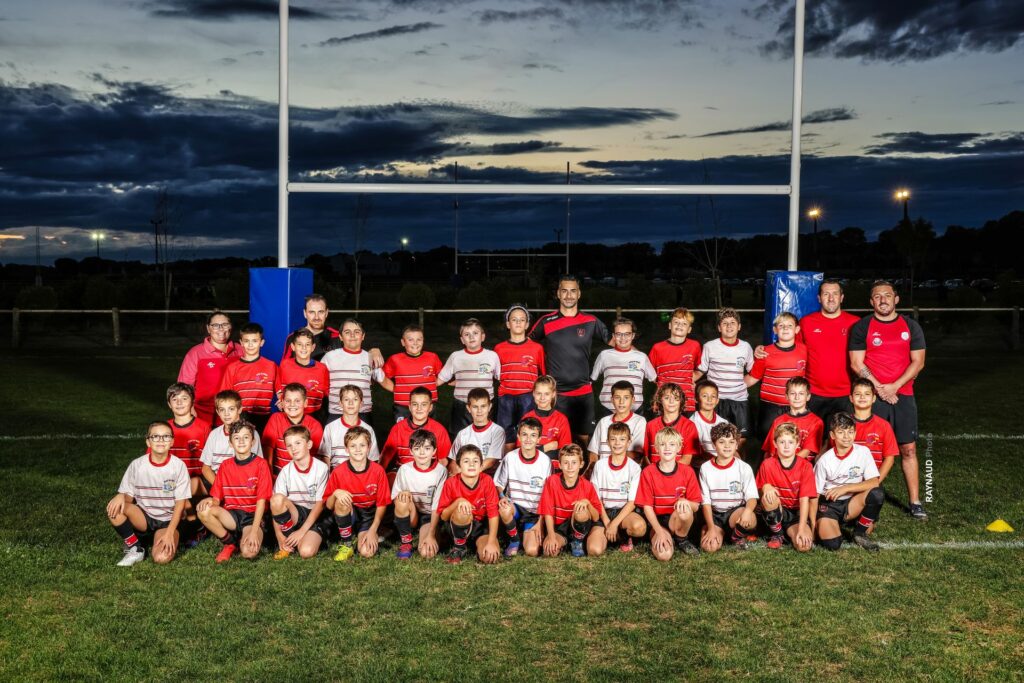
(424, 485)
(332, 444)
(675, 363)
(724, 487)
(831, 471)
(156, 487)
(523, 480)
(254, 382)
(877, 436)
(490, 439)
(350, 367)
(704, 431)
(471, 371)
(483, 497)
(273, 438)
(632, 366)
(218, 448)
(315, 377)
(616, 485)
(726, 365)
(660, 490)
(368, 488)
(687, 430)
(811, 430)
(637, 432)
(558, 500)
(777, 368)
(521, 364)
(188, 443)
(792, 483)
(409, 372)
(396, 447)
(240, 484)
(306, 487)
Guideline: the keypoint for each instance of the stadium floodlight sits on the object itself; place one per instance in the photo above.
(284, 187)
(98, 237)
(903, 195)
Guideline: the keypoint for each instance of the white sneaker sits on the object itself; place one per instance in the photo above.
(132, 556)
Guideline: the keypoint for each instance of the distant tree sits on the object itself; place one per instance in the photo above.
(911, 240)
(360, 219)
(165, 219)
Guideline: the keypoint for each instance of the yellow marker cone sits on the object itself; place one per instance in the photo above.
(999, 526)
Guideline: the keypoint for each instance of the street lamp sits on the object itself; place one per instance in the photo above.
(405, 242)
(903, 195)
(814, 213)
(98, 237)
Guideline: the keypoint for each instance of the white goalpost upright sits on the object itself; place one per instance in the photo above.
(284, 187)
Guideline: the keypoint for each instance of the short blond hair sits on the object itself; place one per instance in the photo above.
(684, 313)
(785, 315)
(784, 429)
(571, 449)
(668, 435)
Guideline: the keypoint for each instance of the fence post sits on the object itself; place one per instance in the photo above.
(115, 316)
(618, 312)
(15, 328)
(420, 315)
(1015, 329)
(917, 313)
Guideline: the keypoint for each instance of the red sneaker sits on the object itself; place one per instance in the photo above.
(627, 545)
(226, 553)
(775, 542)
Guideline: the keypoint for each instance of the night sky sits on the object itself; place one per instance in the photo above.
(104, 102)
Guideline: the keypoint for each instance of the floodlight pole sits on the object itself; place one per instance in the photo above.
(794, 155)
(282, 136)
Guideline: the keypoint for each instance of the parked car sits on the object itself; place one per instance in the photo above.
(953, 283)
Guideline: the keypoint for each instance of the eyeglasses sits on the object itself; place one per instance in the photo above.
(160, 437)
(220, 326)
(623, 335)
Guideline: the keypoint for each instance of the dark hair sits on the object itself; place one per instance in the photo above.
(704, 383)
(422, 437)
(724, 429)
(297, 430)
(883, 283)
(567, 277)
(228, 395)
(303, 332)
(412, 327)
(353, 321)
(830, 281)
(350, 387)
(476, 394)
(797, 382)
(861, 382)
(179, 387)
(213, 314)
(531, 422)
(841, 421)
(659, 394)
(471, 322)
(251, 328)
(468, 448)
(314, 297)
(618, 428)
(623, 385)
(157, 423)
(240, 425)
(421, 391)
(293, 386)
(517, 307)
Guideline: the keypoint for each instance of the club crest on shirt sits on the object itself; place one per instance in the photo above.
(904, 335)
(311, 490)
(854, 472)
(262, 377)
(741, 362)
(194, 447)
(580, 332)
(371, 489)
(536, 482)
(624, 488)
(364, 370)
(484, 369)
(251, 483)
(680, 492)
(633, 365)
(312, 385)
(735, 487)
(801, 365)
(210, 364)
(168, 485)
(484, 448)
(427, 370)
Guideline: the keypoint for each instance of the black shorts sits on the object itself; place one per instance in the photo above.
(663, 521)
(322, 526)
(721, 517)
(833, 509)
(152, 525)
(362, 518)
(242, 519)
(525, 519)
(612, 514)
(511, 408)
(736, 412)
(579, 411)
(766, 415)
(477, 528)
(902, 416)
(827, 406)
(789, 517)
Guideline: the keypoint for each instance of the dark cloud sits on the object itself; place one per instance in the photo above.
(820, 116)
(998, 103)
(497, 16)
(541, 65)
(222, 10)
(523, 147)
(904, 31)
(916, 142)
(399, 30)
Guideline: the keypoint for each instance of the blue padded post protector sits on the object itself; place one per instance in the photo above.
(795, 291)
(276, 300)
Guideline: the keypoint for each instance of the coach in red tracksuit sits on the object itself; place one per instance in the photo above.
(205, 362)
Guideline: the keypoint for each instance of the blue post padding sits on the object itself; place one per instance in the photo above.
(795, 291)
(276, 301)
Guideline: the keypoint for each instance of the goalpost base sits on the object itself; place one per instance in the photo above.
(276, 301)
(793, 291)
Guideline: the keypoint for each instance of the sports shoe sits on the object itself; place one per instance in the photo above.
(776, 541)
(684, 546)
(513, 549)
(917, 512)
(456, 554)
(864, 542)
(627, 545)
(752, 538)
(132, 555)
(197, 538)
(282, 554)
(576, 546)
(345, 553)
(226, 552)
(404, 551)
(741, 543)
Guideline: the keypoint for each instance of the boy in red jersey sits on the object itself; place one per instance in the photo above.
(554, 426)
(412, 367)
(676, 358)
(396, 448)
(728, 492)
(809, 426)
(666, 406)
(416, 489)
(234, 511)
(482, 433)
(302, 369)
(615, 479)
(332, 446)
(190, 434)
(669, 496)
(789, 496)
(252, 376)
(704, 419)
(872, 431)
(622, 404)
(357, 493)
(522, 362)
(783, 360)
(150, 500)
(568, 505)
(293, 414)
(465, 501)
(297, 505)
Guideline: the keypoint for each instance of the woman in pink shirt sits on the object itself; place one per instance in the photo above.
(205, 362)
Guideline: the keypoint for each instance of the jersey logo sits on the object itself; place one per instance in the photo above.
(262, 377)
(193, 446)
(484, 369)
(427, 370)
(633, 365)
(527, 359)
(168, 485)
(817, 330)
(741, 362)
(623, 488)
(371, 489)
(801, 365)
(877, 341)
(311, 490)
(312, 385)
(364, 370)
(252, 482)
(735, 487)
(536, 482)
(681, 491)
(580, 332)
(854, 472)
(904, 335)
(484, 449)
(210, 364)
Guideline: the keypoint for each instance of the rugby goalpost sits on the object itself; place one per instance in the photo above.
(284, 187)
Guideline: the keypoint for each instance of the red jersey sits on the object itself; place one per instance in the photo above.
(409, 372)
(557, 499)
(686, 429)
(676, 363)
(315, 377)
(483, 496)
(661, 490)
(274, 449)
(368, 488)
(554, 427)
(254, 382)
(397, 444)
(777, 368)
(877, 436)
(203, 368)
(188, 443)
(240, 484)
(812, 433)
(521, 364)
(828, 363)
(792, 483)
(887, 345)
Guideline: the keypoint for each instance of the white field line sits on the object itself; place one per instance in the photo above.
(975, 437)
(951, 545)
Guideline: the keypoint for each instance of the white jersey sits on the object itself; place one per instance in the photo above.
(615, 486)
(726, 366)
(704, 430)
(218, 448)
(470, 371)
(523, 480)
(724, 488)
(424, 485)
(347, 367)
(333, 443)
(831, 471)
(156, 488)
(631, 366)
(490, 440)
(637, 432)
(305, 489)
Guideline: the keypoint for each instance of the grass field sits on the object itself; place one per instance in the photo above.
(942, 601)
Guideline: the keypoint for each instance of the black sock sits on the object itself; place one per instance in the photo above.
(404, 526)
(738, 533)
(872, 507)
(284, 520)
(344, 528)
(228, 538)
(460, 534)
(773, 518)
(581, 529)
(127, 533)
(511, 529)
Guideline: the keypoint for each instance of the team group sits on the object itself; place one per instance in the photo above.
(528, 467)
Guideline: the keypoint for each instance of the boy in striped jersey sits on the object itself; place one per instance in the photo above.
(676, 358)
(705, 419)
(622, 405)
(848, 489)
(150, 500)
(554, 426)
(669, 496)
(482, 433)
(622, 363)
(568, 504)
(358, 494)
(190, 433)
(666, 406)
(302, 368)
(293, 414)
(351, 364)
(218, 448)
(726, 361)
(396, 448)
(782, 361)
(332, 447)
(809, 426)
(470, 367)
(252, 376)
(522, 362)
(728, 492)
(412, 367)
(416, 488)
(466, 501)
(788, 492)
(616, 479)
(520, 479)
(297, 505)
(234, 511)
(873, 432)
